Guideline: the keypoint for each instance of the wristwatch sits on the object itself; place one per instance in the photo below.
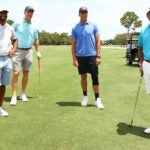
(98, 56)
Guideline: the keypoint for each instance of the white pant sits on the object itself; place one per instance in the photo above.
(146, 70)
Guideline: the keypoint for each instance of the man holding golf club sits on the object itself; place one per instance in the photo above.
(8, 46)
(86, 53)
(27, 36)
(144, 57)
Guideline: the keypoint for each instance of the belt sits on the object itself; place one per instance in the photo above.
(3, 54)
(147, 61)
(24, 48)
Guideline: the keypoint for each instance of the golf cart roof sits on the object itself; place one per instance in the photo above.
(133, 36)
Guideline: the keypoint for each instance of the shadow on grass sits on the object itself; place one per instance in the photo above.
(74, 104)
(7, 99)
(136, 65)
(124, 129)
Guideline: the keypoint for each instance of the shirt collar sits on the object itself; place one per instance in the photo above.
(85, 23)
(3, 25)
(26, 21)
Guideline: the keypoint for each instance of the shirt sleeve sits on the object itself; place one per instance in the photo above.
(73, 34)
(13, 35)
(140, 42)
(15, 25)
(96, 30)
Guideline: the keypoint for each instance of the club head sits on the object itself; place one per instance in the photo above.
(39, 97)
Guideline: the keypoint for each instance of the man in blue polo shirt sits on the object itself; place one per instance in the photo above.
(144, 57)
(27, 36)
(86, 53)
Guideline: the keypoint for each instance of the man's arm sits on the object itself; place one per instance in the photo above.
(98, 50)
(14, 47)
(36, 44)
(73, 48)
(140, 54)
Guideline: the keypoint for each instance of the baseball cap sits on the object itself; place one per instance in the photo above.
(83, 9)
(3, 9)
(28, 8)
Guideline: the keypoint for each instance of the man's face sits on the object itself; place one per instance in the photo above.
(3, 16)
(28, 15)
(83, 15)
(148, 16)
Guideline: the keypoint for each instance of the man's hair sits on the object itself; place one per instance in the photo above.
(148, 13)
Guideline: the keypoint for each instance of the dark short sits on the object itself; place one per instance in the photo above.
(87, 65)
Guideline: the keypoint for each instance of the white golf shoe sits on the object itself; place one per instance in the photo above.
(84, 102)
(13, 100)
(98, 103)
(147, 131)
(3, 113)
(23, 97)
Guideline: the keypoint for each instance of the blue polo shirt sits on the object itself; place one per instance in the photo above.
(144, 42)
(85, 35)
(26, 34)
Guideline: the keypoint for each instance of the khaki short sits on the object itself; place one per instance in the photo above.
(22, 59)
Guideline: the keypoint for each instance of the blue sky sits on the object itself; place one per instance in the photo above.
(62, 15)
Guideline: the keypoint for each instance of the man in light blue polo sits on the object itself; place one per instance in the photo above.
(27, 37)
(86, 54)
(144, 57)
(8, 45)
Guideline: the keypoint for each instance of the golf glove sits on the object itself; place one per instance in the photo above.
(38, 54)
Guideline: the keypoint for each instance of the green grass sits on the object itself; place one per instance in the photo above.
(57, 122)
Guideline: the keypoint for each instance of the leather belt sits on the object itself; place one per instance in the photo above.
(147, 61)
(24, 48)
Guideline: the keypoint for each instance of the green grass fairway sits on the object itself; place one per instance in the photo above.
(57, 122)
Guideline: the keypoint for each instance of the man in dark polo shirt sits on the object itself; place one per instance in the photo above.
(86, 53)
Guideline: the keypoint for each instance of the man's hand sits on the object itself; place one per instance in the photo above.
(11, 53)
(75, 63)
(141, 70)
(98, 61)
(38, 54)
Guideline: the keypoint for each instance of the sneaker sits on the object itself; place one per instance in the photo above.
(13, 100)
(147, 131)
(24, 97)
(3, 113)
(84, 102)
(99, 104)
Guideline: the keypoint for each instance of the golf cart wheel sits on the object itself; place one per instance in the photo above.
(128, 61)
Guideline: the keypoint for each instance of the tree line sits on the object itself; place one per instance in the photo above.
(129, 20)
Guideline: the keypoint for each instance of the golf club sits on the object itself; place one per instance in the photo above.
(136, 100)
(39, 82)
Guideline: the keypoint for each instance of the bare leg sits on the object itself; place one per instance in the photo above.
(84, 82)
(15, 82)
(25, 80)
(2, 93)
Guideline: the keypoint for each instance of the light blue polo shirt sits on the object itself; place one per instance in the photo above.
(85, 36)
(144, 42)
(26, 34)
